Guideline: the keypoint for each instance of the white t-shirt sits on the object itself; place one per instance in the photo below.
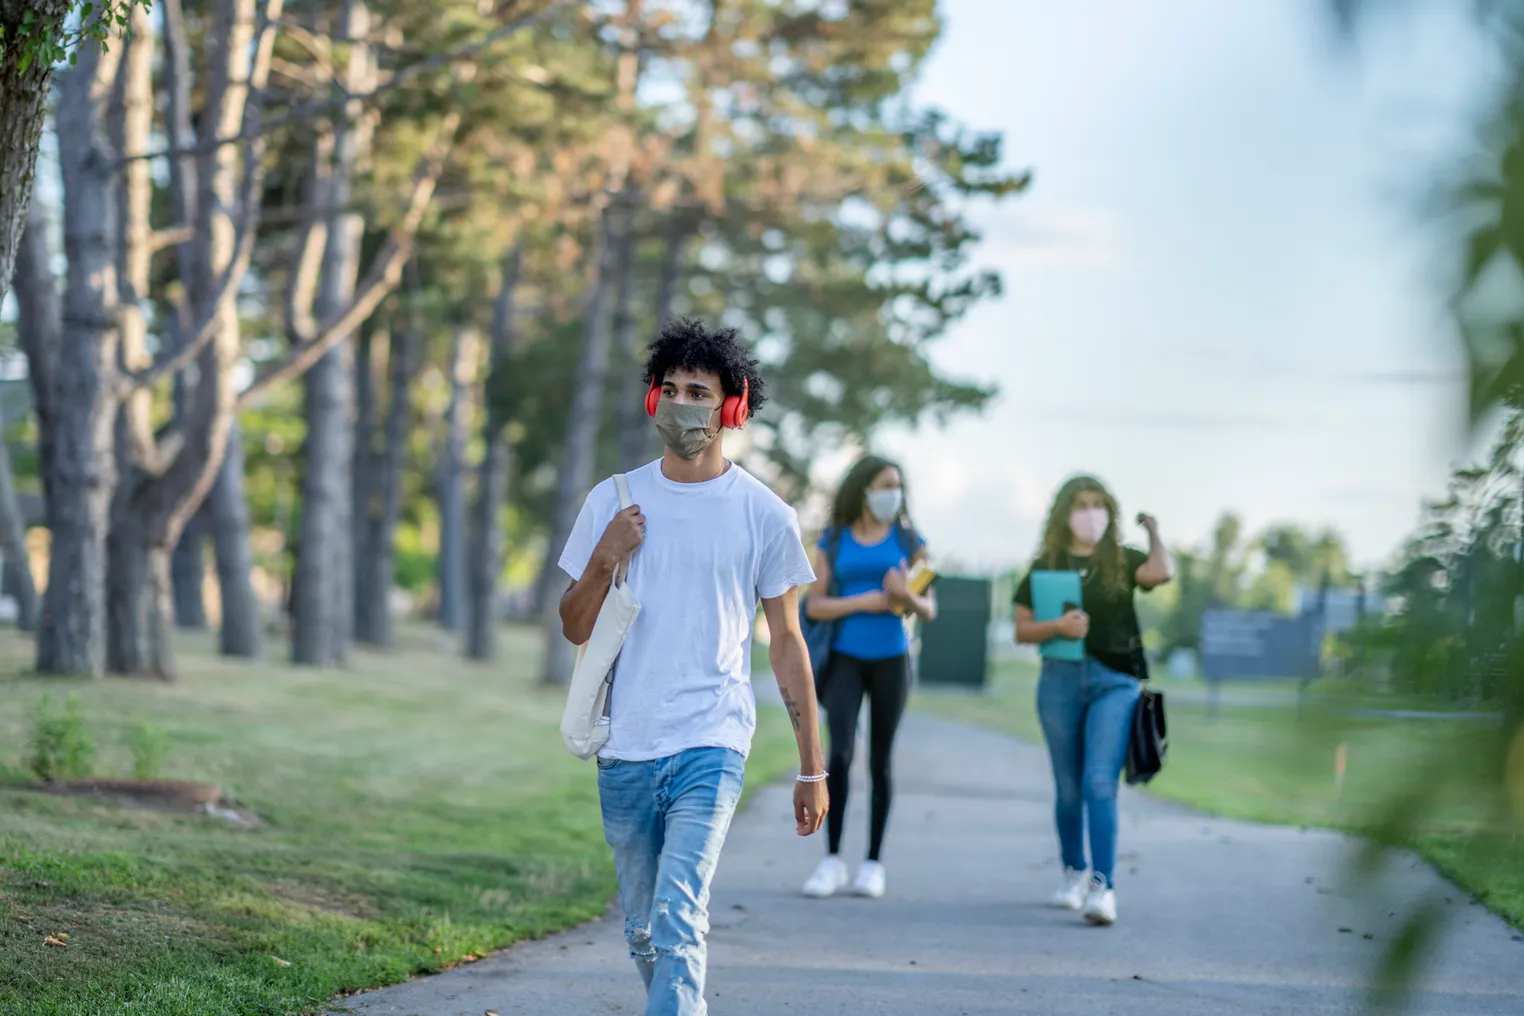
(712, 550)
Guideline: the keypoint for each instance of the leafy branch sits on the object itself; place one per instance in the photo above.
(50, 43)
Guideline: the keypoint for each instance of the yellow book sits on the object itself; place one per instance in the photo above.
(921, 576)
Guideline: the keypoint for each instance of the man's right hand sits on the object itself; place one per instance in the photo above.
(1073, 625)
(624, 534)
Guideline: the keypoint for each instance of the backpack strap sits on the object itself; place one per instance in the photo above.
(833, 551)
(905, 537)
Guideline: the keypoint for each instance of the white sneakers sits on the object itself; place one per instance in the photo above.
(1071, 894)
(830, 877)
(1089, 895)
(1100, 903)
(870, 880)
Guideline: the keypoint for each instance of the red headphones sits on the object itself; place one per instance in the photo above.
(734, 411)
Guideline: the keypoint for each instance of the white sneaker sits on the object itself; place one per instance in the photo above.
(1071, 894)
(830, 876)
(870, 880)
(1100, 903)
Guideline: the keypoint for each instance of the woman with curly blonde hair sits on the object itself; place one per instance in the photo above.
(1085, 706)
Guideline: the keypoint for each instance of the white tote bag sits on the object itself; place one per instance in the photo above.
(585, 722)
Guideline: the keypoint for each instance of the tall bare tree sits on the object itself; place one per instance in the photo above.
(172, 473)
(376, 567)
(323, 611)
(612, 218)
(82, 399)
(494, 473)
(637, 441)
(450, 483)
(223, 517)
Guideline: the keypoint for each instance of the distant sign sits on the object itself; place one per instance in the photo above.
(1240, 645)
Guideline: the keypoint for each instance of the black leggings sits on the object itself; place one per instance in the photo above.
(887, 684)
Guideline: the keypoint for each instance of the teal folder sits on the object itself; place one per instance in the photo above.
(1051, 590)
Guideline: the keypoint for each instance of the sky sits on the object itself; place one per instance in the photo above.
(1220, 291)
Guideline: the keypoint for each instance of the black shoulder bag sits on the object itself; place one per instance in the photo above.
(1150, 734)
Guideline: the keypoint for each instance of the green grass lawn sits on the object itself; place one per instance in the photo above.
(418, 812)
(1267, 764)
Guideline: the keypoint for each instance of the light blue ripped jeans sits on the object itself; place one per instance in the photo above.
(666, 820)
(1086, 711)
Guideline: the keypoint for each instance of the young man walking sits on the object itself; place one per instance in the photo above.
(709, 540)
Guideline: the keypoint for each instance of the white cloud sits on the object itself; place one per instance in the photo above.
(985, 516)
(1023, 233)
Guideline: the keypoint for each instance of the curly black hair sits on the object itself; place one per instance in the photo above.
(685, 344)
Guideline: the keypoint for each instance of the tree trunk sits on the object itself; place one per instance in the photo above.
(451, 492)
(187, 568)
(323, 580)
(486, 562)
(39, 330)
(160, 612)
(227, 512)
(638, 443)
(130, 120)
(71, 638)
(18, 574)
(363, 495)
(578, 454)
(379, 566)
(323, 614)
(23, 109)
(626, 354)
(188, 561)
(126, 580)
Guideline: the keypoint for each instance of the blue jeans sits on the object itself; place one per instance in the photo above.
(1086, 714)
(666, 820)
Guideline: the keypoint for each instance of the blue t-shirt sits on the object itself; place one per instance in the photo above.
(859, 569)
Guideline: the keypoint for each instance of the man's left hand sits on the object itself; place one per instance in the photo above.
(811, 802)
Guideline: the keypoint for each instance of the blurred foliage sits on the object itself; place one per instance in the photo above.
(1266, 572)
(1457, 636)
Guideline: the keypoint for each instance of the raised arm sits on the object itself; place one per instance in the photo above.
(1158, 569)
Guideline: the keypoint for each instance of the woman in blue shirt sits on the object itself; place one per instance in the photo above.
(860, 583)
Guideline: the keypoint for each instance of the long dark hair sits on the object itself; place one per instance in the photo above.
(1110, 562)
(852, 496)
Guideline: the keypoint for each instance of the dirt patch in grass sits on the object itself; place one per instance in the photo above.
(186, 797)
(327, 899)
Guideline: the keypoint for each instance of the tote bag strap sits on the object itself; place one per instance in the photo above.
(622, 484)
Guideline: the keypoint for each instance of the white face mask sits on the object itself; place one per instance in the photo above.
(885, 504)
(1089, 525)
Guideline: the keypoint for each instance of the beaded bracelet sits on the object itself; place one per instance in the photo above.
(817, 778)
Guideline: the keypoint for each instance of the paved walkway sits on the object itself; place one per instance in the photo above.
(1216, 917)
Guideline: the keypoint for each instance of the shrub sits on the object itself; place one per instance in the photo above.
(61, 747)
(149, 746)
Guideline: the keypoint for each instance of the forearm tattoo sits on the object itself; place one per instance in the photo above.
(793, 709)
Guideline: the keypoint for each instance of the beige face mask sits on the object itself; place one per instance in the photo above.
(686, 429)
